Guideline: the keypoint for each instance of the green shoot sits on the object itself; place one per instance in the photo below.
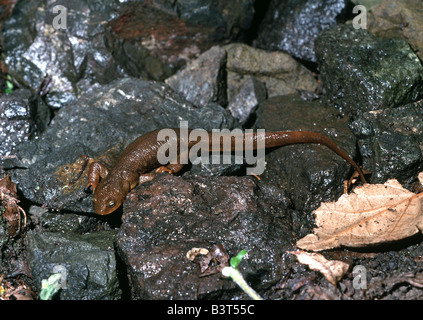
(9, 84)
(237, 277)
(50, 287)
(234, 262)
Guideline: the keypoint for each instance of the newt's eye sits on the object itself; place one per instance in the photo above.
(111, 203)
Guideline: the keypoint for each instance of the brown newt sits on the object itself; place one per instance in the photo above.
(133, 167)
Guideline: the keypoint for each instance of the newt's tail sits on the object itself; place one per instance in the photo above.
(257, 140)
(282, 138)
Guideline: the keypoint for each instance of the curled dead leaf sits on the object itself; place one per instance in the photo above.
(333, 270)
(210, 261)
(370, 214)
(192, 253)
(11, 211)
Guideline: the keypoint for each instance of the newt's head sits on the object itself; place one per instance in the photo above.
(108, 197)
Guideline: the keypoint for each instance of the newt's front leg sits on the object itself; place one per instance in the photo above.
(96, 170)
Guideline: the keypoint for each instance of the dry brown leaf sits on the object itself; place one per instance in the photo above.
(192, 253)
(333, 270)
(11, 210)
(371, 214)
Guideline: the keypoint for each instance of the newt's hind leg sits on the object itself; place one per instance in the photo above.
(170, 168)
(146, 177)
(96, 171)
(175, 166)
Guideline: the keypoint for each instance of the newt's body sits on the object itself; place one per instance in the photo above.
(140, 157)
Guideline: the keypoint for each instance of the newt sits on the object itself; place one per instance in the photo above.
(139, 159)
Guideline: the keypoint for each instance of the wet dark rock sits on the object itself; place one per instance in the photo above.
(391, 141)
(169, 216)
(310, 173)
(215, 169)
(403, 19)
(228, 18)
(44, 220)
(87, 261)
(103, 121)
(281, 73)
(6, 10)
(293, 25)
(361, 72)
(203, 81)
(74, 56)
(243, 105)
(153, 40)
(22, 116)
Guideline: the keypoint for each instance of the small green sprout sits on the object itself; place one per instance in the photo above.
(237, 277)
(9, 84)
(50, 287)
(235, 261)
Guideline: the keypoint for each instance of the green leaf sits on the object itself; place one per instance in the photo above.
(235, 261)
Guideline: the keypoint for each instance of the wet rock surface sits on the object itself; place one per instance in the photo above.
(361, 72)
(279, 71)
(203, 81)
(23, 115)
(310, 173)
(292, 26)
(88, 261)
(173, 32)
(74, 56)
(166, 218)
(404, 19)
(244, 103)
(391, 141)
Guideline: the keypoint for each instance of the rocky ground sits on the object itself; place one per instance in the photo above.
(118, 70)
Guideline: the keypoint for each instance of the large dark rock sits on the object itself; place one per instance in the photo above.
(391, 142)
(74, 56)
(245, 102)
(58, 222)
(390, 18)
(23, 115)
(166, 218)
(203, 81)
(361, 72)
(293, 25)
(228, 18)
(310, 173)
(154, 39)
(87, 263)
